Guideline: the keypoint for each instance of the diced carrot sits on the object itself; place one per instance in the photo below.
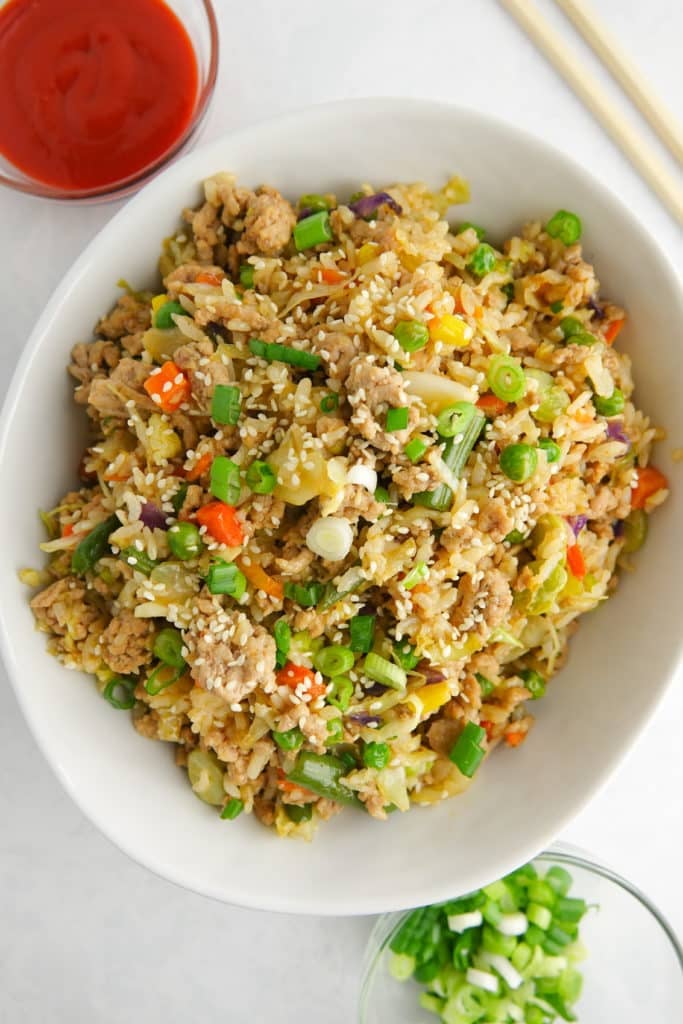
(583, 415)
(259, 578)
(478, 312)
(168, 388)
(421, 588)
(116, 478)
(294, 675)
(286, 785)
(488, 727)
(222, 523)
(330, 275)
(612, 330)
(650, 480)
(575, 561)
(68, 530)
(459, 308)
(513, 739)
(204, 277)
(491, 405)
(200, 467)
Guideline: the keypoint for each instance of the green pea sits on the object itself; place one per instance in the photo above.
(185, 541)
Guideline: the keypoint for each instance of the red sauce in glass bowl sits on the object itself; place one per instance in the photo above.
(92, 91)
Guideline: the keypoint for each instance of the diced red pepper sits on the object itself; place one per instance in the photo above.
(293, 675)
(491, 405)
(222, 523)
(612, 330)
(576, 562)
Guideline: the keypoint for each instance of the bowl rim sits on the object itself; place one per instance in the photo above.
(181, 875)
(133, 182)
(572, 856)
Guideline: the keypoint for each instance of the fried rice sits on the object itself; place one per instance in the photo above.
(354, 474)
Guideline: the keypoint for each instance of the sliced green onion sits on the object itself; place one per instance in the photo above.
(120, 692)
(467, 754)
(518, 462)
(185, 541)
(163, 676)
(551, 449)
(163, 318)
(226, 403)
(298, 812)
(483, 260)
(564, 225)
(552, 404)
(361, 633)
(225, 480)
(384, 672)
(418, 574)
(306, 595)
(559, 879)
(411, 335)
(635, 530)
(569, 908)
(539, 915)
(329, 402)
(534, 682)
(492, 940)
(455, 455)
(139, 560)
(405, 655)
(261, 478)
(247, 275)
(334, 660)
(168, 647)
(415, 449)
(480, 232)
(322, 774)
(397, 419)
(273, 352)
(232, 809)
(611, 406)
(540, 891)
(515, 537)
(486, 687)
(226, 578)
(456, 419)
(341, 692)
(282, 632)
(178, 499)
(93, 546)
(289, 740)
(335, 732)
(508, 290)
(382, 495)
(376, 755)
(506, 378)
(313, 230)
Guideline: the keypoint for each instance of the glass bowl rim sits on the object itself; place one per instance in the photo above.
(379, 936)
(126, 186)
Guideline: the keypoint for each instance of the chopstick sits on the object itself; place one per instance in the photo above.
(626, 73)
(587, 87)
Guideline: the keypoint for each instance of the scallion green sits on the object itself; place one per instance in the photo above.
(384, 672)
(361, 633)
(226, 578)
(273, 352)
(506, 378)
(225, 480)
(226, 403)
(313, 230)
(397, 419)
(260, 477)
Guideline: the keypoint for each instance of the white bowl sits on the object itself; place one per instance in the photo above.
(621, 661)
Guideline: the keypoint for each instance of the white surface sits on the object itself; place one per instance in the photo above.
(584, 727)
(86, 934)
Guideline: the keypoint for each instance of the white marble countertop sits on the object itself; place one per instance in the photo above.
(85, 934)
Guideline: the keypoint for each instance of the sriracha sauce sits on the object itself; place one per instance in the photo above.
(92, 91)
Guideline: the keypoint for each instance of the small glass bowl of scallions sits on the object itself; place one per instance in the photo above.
(563, 938)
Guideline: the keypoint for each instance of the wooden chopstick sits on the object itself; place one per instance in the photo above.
(587, 87)
(626, 73)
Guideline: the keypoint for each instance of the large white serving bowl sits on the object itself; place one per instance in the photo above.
(621, 660)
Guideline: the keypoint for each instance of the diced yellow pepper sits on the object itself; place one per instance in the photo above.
(158, 301)
(451, 330)
(367, 252)
(433, 696)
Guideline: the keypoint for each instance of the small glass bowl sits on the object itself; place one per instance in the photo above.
(199, 20)
(633, 972)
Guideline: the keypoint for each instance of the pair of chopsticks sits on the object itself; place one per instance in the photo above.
(589, 89)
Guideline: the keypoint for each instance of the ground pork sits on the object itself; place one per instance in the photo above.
(126, 643)
(485, 603)
(186, 273)
(520, 341)
(90, 360)
(229, 654)
(359, 503)
(62, 609)
(411, 480)
(372, 390)
(108, 395)
(204, 369)
(494, 519)
(191, 428)
(442, 734)
(129, 316)
(262, 512)
(194, 496)
(337, 351)
(268, 223)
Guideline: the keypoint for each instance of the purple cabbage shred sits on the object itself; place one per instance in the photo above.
(153, 517)
(367, 205)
